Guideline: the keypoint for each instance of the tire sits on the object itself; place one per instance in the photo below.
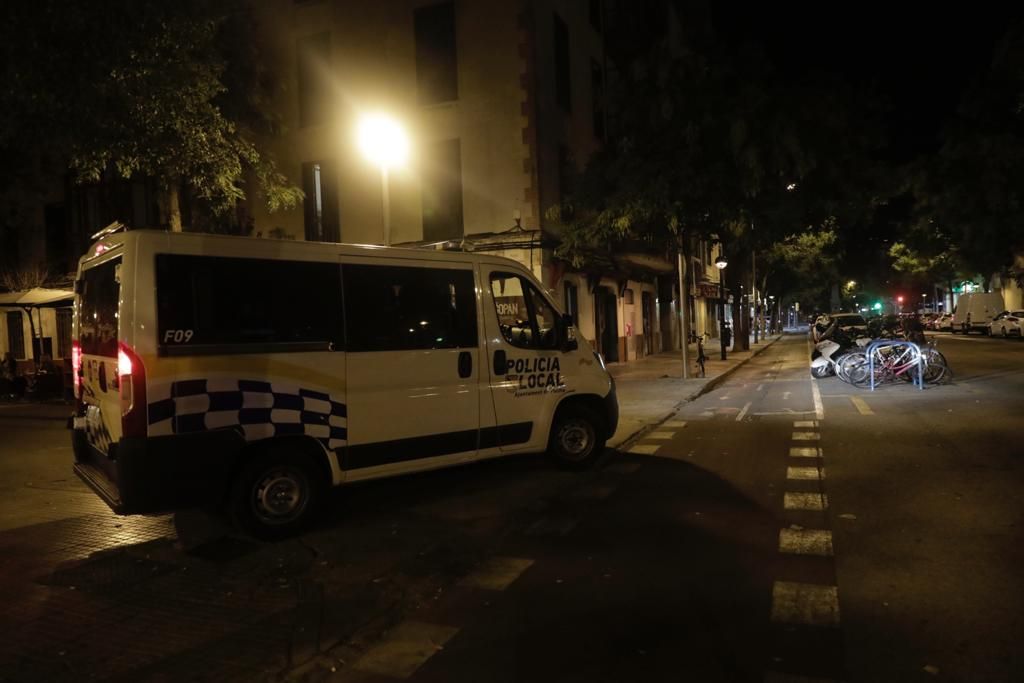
(821, 371)
(276, 495)
(577, 437)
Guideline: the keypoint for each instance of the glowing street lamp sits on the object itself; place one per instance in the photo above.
(383, 141)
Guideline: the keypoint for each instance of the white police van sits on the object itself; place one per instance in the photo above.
(256, 373)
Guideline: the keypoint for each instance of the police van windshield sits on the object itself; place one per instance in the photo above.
(100, 291)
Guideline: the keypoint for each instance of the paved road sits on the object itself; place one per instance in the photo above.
(760, 534)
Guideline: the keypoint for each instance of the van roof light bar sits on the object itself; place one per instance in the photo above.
(109, 230)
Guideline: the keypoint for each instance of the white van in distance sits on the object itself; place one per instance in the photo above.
(257, 373)
(975, 311)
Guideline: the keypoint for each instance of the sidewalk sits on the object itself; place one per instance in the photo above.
(651, 389)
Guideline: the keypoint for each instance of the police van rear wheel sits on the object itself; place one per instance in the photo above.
(275, 496)
(576, 439)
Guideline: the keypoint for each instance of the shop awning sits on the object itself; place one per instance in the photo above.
(38, 297)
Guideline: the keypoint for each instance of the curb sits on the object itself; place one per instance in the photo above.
(709, 386)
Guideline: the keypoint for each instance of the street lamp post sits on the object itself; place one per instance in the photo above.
(383, 141)
(721, 263)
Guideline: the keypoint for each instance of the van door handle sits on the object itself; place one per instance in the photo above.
(465, 364)
(500, 363)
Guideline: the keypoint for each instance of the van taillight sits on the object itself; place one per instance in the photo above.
(76, 367)
(131, 379)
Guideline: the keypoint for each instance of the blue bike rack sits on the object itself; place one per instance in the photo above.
(919, 380)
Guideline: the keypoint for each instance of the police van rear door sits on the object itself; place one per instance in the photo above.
(97, 326)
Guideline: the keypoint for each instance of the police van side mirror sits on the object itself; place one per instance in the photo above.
(567, 333)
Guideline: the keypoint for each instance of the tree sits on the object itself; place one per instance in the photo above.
(974, 187)
(168, 91)
(709, 140)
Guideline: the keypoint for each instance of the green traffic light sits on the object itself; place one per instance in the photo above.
(877, 306)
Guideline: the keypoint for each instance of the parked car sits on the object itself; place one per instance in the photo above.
(1007, 324)
(944, 323)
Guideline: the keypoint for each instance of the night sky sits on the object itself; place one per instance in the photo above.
(920, 58)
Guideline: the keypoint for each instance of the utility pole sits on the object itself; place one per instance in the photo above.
(753, 289)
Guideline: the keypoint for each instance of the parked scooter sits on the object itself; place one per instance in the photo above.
(834, 344)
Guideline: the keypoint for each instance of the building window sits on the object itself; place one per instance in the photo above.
(566, 172)
(597, 94)
(314, 54)
(436, 61)
(572, 302)
(64, 333)
(15, 335)
(321, 202)
(563, 81)
(595, 14)
(442, 192)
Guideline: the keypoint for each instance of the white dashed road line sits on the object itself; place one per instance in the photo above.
(805, 604)
(805, 501)
(806, 542)
(805, 473)
(497, 573)
(743, 413)
(405, 649)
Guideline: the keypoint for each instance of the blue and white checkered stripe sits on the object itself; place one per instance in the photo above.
(260, 409)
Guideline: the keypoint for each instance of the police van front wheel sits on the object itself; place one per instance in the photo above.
(576, 438)
(275, 496)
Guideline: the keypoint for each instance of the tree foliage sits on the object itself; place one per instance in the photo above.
(169, 91)
(708, 139)
(973, 189)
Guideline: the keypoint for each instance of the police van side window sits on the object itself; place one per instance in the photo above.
(525, 317)
(398, 308)
(211, 304)
(98, 317)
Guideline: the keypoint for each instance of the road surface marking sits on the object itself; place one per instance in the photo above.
(675, 424)
(660, 435)
(819, 409)
(760, 387)
(804, 452)
(806, 436)
(805, 473)
(723, 398)
(806, 542)
(805, 603)
(788, 411)
(785, 395)
(645, 449)
(805, 423)
(861, 406)
(405, 649)
(804, 501)
(739, 418)
(497, 573)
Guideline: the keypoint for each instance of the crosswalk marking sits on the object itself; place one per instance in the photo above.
(806, 436)
(806, 542)
(645, 449)
(805, 473)
(805, 603)
(797, 424)
(660, 435)
(804, 501)
(405, 649)
(804, 452)
(675, 424)
(497, 573)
